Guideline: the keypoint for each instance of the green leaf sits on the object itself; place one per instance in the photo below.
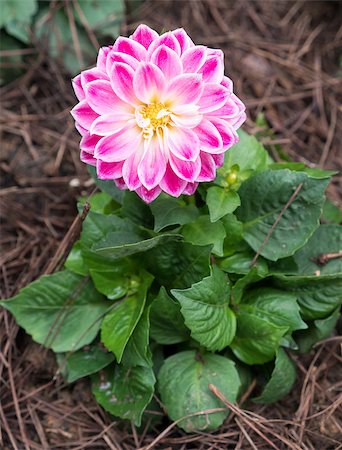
(183, 385)
(16, 17)
(327, 239)
(241, 263)
(119, 244)
(136, 210)
(75, 261)
(282, 379)
(205, 307)
(83, 362)
(113, 285)
(257, 340)
(221, 202)
(101, 203)
(62, 311)
(167, 322)
(317, 296)
(171, 211)
(118, 325)
(234, 235)
(178, 264)
(124, 391)
(242, 283)
(278, 307)
(331, 212)
(107, 186)
(313, 172)
(203, 232)
(318, 330)
(263, 198)
(137, 351)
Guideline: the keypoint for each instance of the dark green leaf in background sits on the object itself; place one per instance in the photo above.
(221, 202)
(171, 211)
(203, 232)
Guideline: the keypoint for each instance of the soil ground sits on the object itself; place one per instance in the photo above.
(284, 59)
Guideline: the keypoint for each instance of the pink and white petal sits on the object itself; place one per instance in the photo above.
(190, 188)
(184, 89)
(238, 102)
(130, 169)
(219, 159)
(110, 123)
(152, 166)
(212, 70)
(148, 195)
(109, 171)
(88, 143)
(87, 158)
(167, 39)
(210, 138)
(227, 132)
(78, 89)
(80, 129)
(144, 35)
(193, 58)
(216, 52)
(90, 75)
(130, 47)
(102, 58)
(171, 183)
(186, 170)
(83, 114)
(183, 143)
(183, 38)
(101, 97)
(122, 82)
(236, 123)
(208, 168)
(229, 110)
(148, 83)
(120, 145)
(186, 120)
(214, 96)
(168, 61)
(120, 183)
(121, 58)
(227, 83)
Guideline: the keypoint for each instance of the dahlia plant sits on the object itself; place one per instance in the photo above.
(176, 297)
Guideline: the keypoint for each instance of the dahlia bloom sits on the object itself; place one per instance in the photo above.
(156, 113)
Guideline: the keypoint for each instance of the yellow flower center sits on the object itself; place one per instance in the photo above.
(157, 113)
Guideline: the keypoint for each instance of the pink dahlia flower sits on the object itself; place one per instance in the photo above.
(156, 113)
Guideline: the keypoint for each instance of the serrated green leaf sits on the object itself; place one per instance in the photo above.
(240, 263)
(167, 322)
(83, 362)
(62, 311)
(178, 264)
(263, 198)
(124, 391)
(171, 211)
(326, 239)
(188, 374)
(221, 202)
(205, 307)
(118, 325)
(203, 232)
(242, 283)
(281, 380)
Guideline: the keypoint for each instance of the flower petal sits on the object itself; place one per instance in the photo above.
(148, 83)
(208, 168)
(227, 132)
(193, 58)
(228, 111)
(183, 38)
(152, 165)
(227, 83)
(120, 145)
(190, 188)
(186, 170)
(87, 158)
(183, 143)
(210, 138)
(83, 114)
(130, 169)
(122, 82)
(167, 39)
(130, 47)
(120, 183)
(168, 61)
(102, 58)
(212, 70)
(110, 123)
(144, 35)
(121, 58)
(171, 183)
(80, 129)
(148, 195)
(184, 89)
(88, 143)
(214, 96)
(186, 116)
(91, 75)
(108, 171)
(219, 159)
(101, 98)
(78, 89)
